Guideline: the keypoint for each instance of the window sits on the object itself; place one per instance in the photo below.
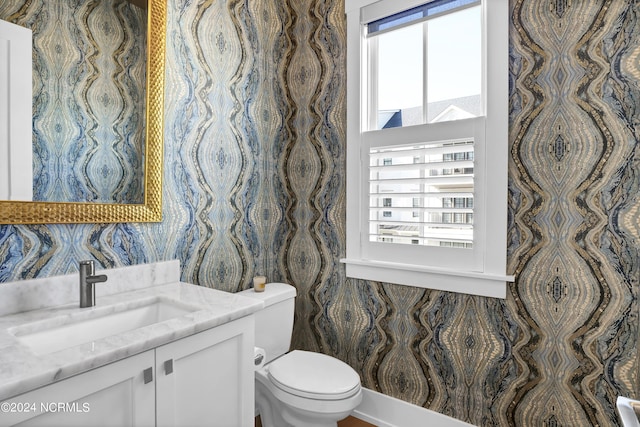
(427, 122)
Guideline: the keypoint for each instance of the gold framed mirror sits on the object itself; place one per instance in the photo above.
(150, 210)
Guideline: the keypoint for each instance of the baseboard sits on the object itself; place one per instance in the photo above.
(386, 411)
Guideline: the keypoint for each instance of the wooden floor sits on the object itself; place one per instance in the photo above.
(347, 422)
(354, 422)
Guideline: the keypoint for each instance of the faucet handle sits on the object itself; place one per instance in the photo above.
(88, 266)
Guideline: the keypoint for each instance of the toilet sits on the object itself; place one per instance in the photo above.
(297, 388)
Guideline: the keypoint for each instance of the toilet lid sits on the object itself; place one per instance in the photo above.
(314, 375)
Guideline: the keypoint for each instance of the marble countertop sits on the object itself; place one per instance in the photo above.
(21, 369)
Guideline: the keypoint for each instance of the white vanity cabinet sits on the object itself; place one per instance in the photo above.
(205, 379)
(111, 396)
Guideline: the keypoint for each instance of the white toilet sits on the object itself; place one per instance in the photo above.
(300, 388)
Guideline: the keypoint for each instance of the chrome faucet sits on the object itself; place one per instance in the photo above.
(88, 279)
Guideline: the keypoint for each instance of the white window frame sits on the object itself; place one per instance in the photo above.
(486, 275)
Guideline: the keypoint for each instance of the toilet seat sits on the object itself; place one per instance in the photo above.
(314, 376)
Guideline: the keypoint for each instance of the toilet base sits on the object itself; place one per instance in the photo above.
(275, 413)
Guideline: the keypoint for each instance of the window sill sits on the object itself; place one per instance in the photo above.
(466, 282)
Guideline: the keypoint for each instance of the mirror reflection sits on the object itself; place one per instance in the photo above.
(88, 100)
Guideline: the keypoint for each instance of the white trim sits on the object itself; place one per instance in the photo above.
(355, 116)
(426, 133)
(350, 5)
(497, 115)
(386, 411)
(465, 282)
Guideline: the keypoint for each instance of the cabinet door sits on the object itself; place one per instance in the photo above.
(113, 395)
(207, 379)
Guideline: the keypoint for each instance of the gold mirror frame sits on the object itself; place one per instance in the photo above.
(13, 212)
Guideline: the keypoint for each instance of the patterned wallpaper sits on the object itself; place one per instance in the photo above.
(254, 183)
(88, 88)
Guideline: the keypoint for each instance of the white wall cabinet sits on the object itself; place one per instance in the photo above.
(206, 379)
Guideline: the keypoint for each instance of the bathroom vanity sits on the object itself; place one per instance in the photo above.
(153, 351)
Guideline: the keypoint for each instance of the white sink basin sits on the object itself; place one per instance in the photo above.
(97, 323)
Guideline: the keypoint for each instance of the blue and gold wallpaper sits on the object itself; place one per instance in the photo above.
(255, 183)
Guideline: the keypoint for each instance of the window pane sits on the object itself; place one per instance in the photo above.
(454, 70)
(400, 77)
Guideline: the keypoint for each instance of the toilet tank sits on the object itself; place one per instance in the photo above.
(274, 323)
